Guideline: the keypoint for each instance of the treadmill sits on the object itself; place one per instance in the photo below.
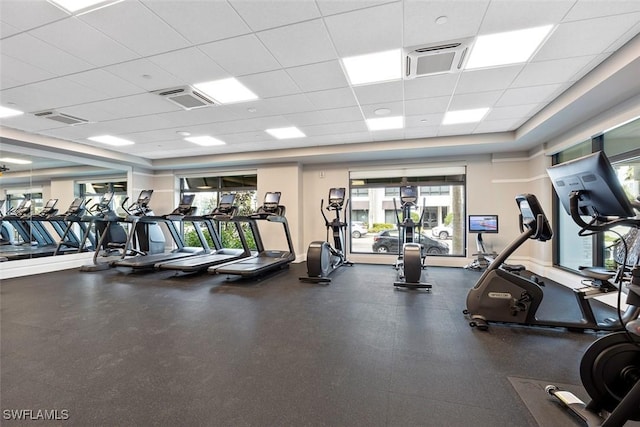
(225, 212)
(265, 261)
(145, 228)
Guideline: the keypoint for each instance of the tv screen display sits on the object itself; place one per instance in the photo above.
(483, 223)
(408, 193)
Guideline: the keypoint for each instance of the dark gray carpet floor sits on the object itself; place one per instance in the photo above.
(160, 349)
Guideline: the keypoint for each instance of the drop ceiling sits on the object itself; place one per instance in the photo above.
(104, 65)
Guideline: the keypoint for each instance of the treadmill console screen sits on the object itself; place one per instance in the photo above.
(76, 205)
(272, 198)
(51, 203)
(187, 200)
(227, 199)
(105, 201)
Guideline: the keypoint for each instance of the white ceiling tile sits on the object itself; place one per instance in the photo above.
(487, 79)
(462, 129)
(348, 114)
(588, 37)
(335, 128)
(463, 20)
(320, 76)
(585, 9)
(430, 86)
(299, 44)
(29, 122)
(379, 93)
(83, 41)
(308, 118)
(55, 93)
(136, 105)
(509, 15)
(288, 104)
(241, 55)
(332, 7)
(25, 15)
(7, 30)
(109, 85)
(396, 109)
(388, 135)
(21, 72)
(200, 21)
(431, 121)
(332, 98)
(369, 30)
(528, 95)
(43, 55)
(136, 27)
(145, 74)
(474, 100)
(416, 107)
(190, 65)
(549, 72)
(261, 15)
(270, 84)
(424, 132)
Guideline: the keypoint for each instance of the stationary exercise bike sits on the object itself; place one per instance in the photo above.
(411, 256)
(505, 296)
(610, 367)
(322, 258)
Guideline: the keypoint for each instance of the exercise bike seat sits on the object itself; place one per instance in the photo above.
(513, 268)
(598, 273)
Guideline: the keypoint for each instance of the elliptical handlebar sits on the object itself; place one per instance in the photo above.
(599, 223)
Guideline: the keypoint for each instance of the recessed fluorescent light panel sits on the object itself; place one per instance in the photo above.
(374, 67)
(15, 161)
(110, 140)
(512, 47)
(205, 141)
(226, 91)
(464, 116)
(8, 112)
(84, 6)
(286, 133)
(386, 123)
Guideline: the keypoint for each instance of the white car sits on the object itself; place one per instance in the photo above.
(442, 232)
(358, 229)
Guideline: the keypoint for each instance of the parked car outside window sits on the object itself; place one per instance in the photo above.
(387, 242)
(442, 232)
(358, 229)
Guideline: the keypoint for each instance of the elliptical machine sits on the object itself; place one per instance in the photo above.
(322, 258)
(610, 367)
(411, 256)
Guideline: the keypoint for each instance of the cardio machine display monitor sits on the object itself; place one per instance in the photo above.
(336, 196)
(144, 198)
(594, 178)
(105, 200)
(272, 198)
(227, 199)
(51, 203)
(408, 194)
(483, 223)
(76, 204)
(187, 200)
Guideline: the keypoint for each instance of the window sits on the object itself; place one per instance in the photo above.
(441, 196)
(208, 191)
(621, 146)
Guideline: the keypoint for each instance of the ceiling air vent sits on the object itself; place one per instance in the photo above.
(437, 58)
(61, 117)
(186, 97)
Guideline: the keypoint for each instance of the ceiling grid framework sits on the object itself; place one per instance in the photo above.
(103, 66)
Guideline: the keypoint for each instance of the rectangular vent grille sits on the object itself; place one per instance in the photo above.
(186, 97)
(67, 119)
(447, 57)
